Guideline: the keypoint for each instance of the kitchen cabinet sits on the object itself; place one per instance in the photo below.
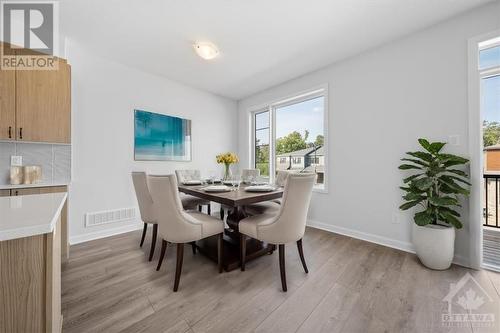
(35, 105)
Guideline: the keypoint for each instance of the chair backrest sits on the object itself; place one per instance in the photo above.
(249, 173)
(174, 224)
(143, 197)
(185, 175)
(294, 206)
(281, 176)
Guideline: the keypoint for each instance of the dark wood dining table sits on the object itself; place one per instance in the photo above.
(237, 199)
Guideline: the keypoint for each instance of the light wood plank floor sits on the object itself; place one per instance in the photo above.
(352, 286)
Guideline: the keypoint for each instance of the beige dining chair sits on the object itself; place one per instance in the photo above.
(179, 226)
(287, 225)
(188, 201)
(246, 174)
(145, 208)
(273, 205)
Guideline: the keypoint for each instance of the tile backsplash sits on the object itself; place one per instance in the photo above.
(55, 160)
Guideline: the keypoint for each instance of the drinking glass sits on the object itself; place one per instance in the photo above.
(235, 182)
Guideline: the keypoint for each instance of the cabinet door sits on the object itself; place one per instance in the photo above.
(7, 103)
(43, 109)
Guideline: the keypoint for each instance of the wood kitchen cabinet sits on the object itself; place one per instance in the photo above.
(43, 104)
(7, 104)
(4, 193)
(35, 105)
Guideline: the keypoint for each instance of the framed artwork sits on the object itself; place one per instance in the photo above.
(158, 137)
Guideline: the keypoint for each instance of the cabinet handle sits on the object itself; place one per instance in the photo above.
(10, 132)
(17, 192)
(21, 133)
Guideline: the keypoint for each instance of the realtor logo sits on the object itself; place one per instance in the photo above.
(469, 305)
(29, 30)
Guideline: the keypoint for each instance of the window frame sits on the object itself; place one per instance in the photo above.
(298, 97)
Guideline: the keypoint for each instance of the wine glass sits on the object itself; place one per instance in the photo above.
(235, 181)
(211, 176)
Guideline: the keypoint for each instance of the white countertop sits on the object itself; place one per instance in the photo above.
(12, 187)
(29, 215)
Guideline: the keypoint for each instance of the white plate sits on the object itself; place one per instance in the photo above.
(259, 188)
(192, 182)
(217, 188)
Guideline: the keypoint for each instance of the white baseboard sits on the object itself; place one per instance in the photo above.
(395, 244)
(104, 233)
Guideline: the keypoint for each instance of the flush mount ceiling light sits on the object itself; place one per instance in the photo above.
(206, 50)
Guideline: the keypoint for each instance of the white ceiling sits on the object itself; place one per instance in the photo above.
(262, 42)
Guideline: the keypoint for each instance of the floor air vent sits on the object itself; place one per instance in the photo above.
(491, 247)
(109, 216)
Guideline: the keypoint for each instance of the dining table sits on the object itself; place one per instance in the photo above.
(237, 199)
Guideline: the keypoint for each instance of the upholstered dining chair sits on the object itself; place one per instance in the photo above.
(179, 226)
(246, 175)
(188, 201)
(287, 225)
(273, 205)
(145, 208)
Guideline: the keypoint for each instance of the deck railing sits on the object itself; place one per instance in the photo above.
(491, 202)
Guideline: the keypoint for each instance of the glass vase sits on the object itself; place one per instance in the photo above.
(227, 172)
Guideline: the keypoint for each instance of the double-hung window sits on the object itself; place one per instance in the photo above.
(291, 134)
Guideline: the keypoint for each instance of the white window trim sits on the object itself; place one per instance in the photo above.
(475, 44)
(321, 90)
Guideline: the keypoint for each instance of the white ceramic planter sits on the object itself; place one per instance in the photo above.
(434, 244)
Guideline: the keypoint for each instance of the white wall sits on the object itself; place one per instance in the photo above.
(104, 96)
(380, 102)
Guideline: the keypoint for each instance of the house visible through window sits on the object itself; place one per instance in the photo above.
(295, 138)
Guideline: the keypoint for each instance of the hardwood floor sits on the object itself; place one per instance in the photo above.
(108, 285)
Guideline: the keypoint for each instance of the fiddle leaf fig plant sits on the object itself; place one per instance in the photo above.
(435, 184)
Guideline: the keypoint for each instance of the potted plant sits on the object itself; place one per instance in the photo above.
(435, 187)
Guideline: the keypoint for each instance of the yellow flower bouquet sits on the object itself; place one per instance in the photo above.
(228, 159)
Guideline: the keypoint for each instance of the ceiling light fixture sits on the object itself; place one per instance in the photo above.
(206, 50)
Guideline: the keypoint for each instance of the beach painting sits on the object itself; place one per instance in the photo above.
(158, 137)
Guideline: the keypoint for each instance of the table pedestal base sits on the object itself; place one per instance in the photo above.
(231, 258)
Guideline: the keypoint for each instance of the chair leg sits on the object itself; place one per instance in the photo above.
(144, 233)
(222, 214)
(301, 254)
(243, 251)
(153, 241)
(162, 253)
(178, 265)
(220, 250)
(193, 246)
(209, 209)
(281, 248)
(200, 208)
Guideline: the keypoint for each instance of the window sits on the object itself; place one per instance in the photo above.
(489, 57)
(297, 126)
(261, 125)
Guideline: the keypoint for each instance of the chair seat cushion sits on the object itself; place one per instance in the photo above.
(250, 225)
(190, 202)
(262, 208)
(209, 225)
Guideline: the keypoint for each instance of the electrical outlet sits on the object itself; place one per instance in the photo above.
(16, 160)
